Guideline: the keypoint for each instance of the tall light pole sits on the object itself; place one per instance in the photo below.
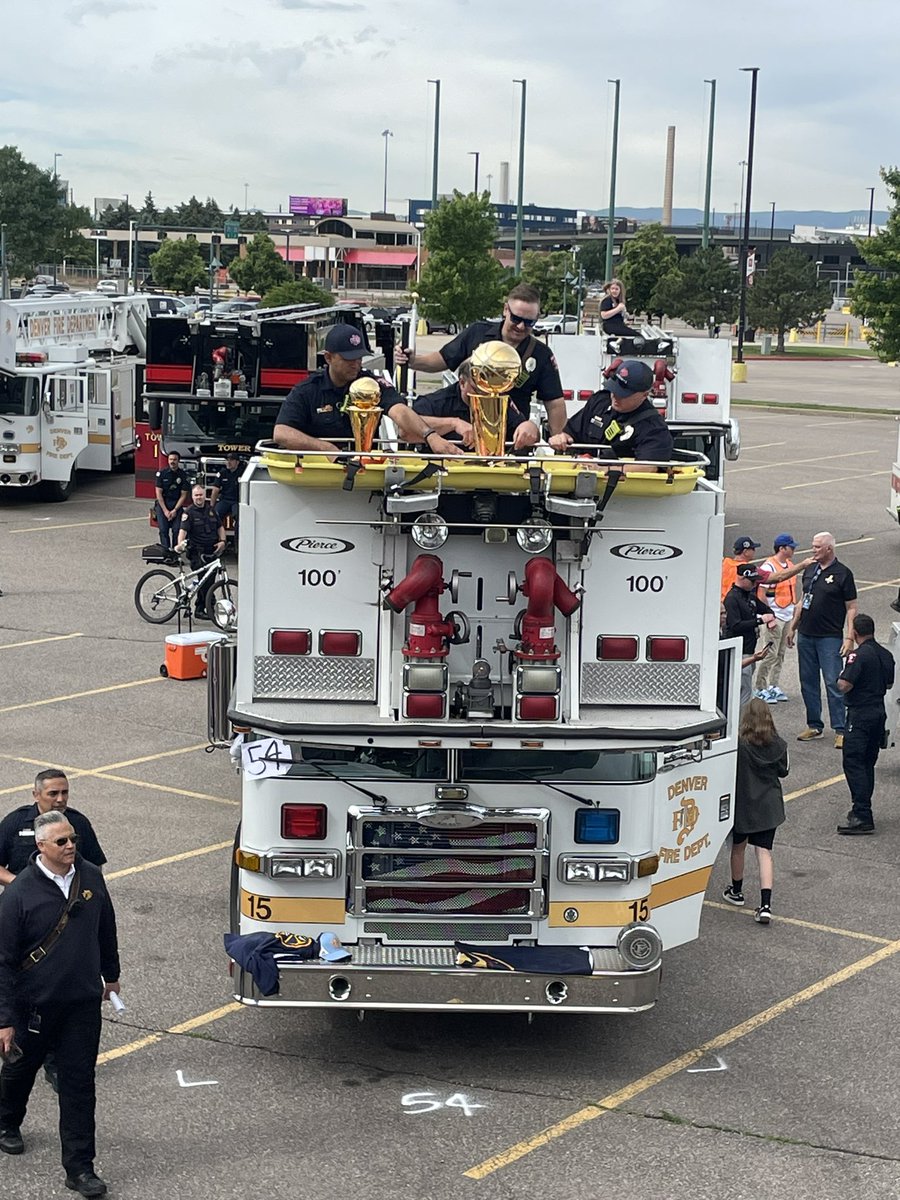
(745, 238)
(477, 156)
(772, 230)
(743, 165)
(521, 187)
(385, 135)
(56, 157)
(709, 159)
(490, 177)
(246, 193)
(871, 192)
(611, 217)
(4, 274)
(437, 139)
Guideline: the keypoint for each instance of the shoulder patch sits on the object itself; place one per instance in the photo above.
(851, 657)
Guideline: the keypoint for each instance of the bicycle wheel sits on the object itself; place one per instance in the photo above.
(156, 596)
(221, 604)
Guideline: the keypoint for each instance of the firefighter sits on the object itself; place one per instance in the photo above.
(620, 420)
(202, 534)
(867, 675)
(171, 497)
(311, 413)
(448, 410)
(224, 494)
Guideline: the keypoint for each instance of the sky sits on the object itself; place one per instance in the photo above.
(291, 97)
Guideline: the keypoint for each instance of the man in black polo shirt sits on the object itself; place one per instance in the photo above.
(311, 413)
(867, 675)
(171, 498)
(744, 614)
(823, 625)
(448, 410)
(201, 531)
(620, 420)
(540, 374)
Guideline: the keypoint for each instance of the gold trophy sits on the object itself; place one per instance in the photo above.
(363, 408)
(495, 369)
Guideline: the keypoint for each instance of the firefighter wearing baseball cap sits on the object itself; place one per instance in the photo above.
(743, 553)
(619, 420)
(311, 416)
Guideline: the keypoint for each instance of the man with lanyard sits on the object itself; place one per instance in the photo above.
(867, 675)
(224, 494)
(620, 420)
(202, 534)
(171, 498)
(539, 376)
(311, 414)
(822, 624)
(448, 410)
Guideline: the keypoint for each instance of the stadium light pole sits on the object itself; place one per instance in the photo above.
(871, 192)
(521, 183)
(711, 124)
(476, 154)
(745, 235)
(437, 138)
(386, 134)
(611, 213)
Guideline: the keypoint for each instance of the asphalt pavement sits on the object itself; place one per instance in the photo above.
(770, 1065)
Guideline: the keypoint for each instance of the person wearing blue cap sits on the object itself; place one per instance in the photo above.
(619, 420)
(311, 416)
(780, 588)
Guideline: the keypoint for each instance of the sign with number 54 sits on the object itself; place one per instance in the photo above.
(271, 756)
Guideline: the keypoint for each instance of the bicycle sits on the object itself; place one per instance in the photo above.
(159, 594)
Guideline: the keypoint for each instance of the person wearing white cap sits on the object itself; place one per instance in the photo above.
(780, 588)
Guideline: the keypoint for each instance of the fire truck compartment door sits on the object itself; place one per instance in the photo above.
(64, 425)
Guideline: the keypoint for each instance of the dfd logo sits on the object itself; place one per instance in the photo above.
(317, 545)
(645, 551)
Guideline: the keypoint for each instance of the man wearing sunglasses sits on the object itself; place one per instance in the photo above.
(59, 959)
(539, 376)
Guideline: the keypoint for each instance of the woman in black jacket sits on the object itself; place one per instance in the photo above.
(762, 763)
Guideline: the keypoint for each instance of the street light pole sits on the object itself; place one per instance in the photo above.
(490, 177)
(521, 188)
(772, 230)
(745, 238)
(611, 217)
(476, 154)
(4, 274)
(385, 133)
(709, 159)
(871, 192)
(437, 138)
(246, 192)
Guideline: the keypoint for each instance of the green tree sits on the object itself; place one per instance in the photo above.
(702, 290)
(592, 260)
(30, 209)
(262, 268)
(876, 296)
(787, 294)
(118, 216)
(546, 271)
(68, 242)
(461, 280)
(149, 214)
(299, 291)
(254, 222)
(649, 256)
(179, 266)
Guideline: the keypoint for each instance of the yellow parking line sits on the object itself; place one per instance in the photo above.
(173, 858)
(616, 1099)
(115, 687)
(161, 787)
(133, 762)
(796, 461)
(850, 933)
(840, 479)
(207, 1018)
(59, 637)
(76, 524)
(866, 587)
(815, 787)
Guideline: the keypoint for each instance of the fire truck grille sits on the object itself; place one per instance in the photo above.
(300, 678)
(495, 869)
(640, 683)
(448, 931)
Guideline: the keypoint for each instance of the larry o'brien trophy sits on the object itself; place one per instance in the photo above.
(363, 408)
(495, 369)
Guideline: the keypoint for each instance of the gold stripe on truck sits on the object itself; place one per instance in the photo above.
(293, 910)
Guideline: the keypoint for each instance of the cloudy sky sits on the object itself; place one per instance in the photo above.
(291, 96)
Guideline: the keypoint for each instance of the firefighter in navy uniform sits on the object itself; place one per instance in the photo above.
(868, 673)
(202, 533)
(620, 420)
(171, 497)
(225, 489)
(448, 411)
(312, 415)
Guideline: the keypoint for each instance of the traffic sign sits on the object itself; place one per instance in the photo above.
(231, 229)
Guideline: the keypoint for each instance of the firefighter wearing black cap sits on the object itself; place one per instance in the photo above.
(311, 418)
(620, 420)
(744, 614)
(868, 673)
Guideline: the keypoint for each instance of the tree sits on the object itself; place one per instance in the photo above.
(702, 290)
(546, 272)
(179, 266)
(876, 297)
(262, 268)
(68, 243)
(118, 216)
(461, 280)
(31, 210)
(254, 222)
(649, 256)
(298, 291)
(787, 294)
(149, 214)
(592, 260)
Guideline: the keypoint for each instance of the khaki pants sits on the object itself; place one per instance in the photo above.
(770, 668)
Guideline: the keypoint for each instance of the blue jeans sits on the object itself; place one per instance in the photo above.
(817, 655)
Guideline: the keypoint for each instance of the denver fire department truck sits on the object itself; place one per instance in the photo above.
(69, 370)
(488, 727)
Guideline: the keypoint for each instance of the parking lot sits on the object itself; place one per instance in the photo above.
(770, 1065)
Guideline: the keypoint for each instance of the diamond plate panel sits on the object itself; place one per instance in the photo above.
(302, 678)
(640, 683)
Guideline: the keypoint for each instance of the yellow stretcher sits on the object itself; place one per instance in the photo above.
(467, 475)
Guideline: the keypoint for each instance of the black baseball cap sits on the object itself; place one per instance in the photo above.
(631, 376)
(745, 543)
(346, 341)
(748, 571)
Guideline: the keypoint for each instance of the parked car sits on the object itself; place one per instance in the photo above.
(557, 323)
(432, 324)
(109, 287)
(230, 308)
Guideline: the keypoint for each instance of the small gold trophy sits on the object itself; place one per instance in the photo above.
(363, 408)
(495, 368)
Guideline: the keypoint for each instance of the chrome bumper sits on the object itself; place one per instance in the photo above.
(613, 987)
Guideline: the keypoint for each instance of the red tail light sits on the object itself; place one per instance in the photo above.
(666, 649)
(290, 641)
(424, 704)
(568, 394)
(710, 397)
(689, 398)
(624, 649)
(339, 643)
(304, 821)
(585, 394)
(537, 708)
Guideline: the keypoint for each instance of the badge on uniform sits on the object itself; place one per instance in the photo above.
(325, 408)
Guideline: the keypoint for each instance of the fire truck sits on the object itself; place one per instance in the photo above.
(215, 385)
(69, 374)
(487, 726)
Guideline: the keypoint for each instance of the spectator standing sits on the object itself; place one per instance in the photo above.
(867, 675)
(171, 497)
(744, 614)
(780, 588)
(743, 553)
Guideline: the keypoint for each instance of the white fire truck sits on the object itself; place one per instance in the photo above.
(68, 381)
(489, 727)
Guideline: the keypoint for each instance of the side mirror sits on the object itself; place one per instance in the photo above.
(154, 415)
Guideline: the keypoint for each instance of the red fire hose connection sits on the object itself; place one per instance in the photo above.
(428, 631)
(545, 591)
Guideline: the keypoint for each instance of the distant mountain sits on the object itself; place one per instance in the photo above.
(784, 218)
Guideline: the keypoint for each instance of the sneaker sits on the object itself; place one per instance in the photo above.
(779, 695)
(769, 696)
(11, 1141)
(763, 915)
(895, 604)
(838, 741)
(733, 897)
(809, 734)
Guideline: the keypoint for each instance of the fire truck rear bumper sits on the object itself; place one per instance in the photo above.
(612, 987)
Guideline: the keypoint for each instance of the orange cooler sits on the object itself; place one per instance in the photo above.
(186, 654)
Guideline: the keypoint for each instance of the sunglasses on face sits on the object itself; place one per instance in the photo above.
(517, 320)
(73, 838)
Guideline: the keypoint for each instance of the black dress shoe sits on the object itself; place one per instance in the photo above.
(855, 825)
(87, 1183)
(51, 1076)
(895, 604)
(11, 1141)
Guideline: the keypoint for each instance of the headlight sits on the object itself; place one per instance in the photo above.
(304, 866)
(534, 535)
(641, 946)
(429, 531)
(594, 869)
